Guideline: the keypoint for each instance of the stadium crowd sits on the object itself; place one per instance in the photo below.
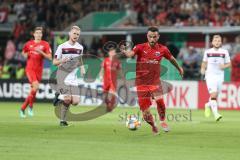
(187, 12)
(57, 15)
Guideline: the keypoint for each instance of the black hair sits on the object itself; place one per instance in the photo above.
(153, 29)
(216, 35)
(38, 28)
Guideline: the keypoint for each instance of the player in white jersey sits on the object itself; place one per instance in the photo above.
(215, 60)
(67, 52)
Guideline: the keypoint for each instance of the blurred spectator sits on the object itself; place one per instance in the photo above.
(85, 48)
(19, 29)
(173, 49)
(6, 71)
(183, 51)
(226, 45)
(236, 46)
(4, 11)
(235, 74)
(1, 68)
(61, 39)
(191, 63)
(95, 46)
(10, 49)
(187, 13)
(20, 71)
(18, 8)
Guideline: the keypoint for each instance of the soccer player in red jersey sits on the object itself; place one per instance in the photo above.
(35, 51)
(148, 83)
(111, 67)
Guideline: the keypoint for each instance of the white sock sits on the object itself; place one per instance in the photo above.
(214, 107)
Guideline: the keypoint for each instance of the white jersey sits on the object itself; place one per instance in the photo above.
(66, 50)
(214, 75)
(214, 59)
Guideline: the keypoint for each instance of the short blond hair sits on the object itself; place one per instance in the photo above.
(76, 27)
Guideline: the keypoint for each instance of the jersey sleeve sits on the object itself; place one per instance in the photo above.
(167, 54)
(48, 49)
(136, 49)
(25, 48)
(227, 58)
(205, 57)
(58, 53)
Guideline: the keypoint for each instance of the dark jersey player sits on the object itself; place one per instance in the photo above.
(148, 82)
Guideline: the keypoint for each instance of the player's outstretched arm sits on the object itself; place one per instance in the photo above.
(174, 62)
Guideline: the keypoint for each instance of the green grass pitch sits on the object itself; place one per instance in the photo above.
(107, 138)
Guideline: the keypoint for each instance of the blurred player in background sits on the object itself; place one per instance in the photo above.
(110, 69)
(68, 51)
(148, 83)
(215, 60)
(35, 51)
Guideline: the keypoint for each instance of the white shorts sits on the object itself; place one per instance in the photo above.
(214, 83)
(71, 78)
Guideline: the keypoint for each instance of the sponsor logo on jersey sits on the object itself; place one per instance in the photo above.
(157, 54)
(222, 55)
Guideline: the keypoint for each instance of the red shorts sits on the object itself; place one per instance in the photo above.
(145, 94)
(33, 76)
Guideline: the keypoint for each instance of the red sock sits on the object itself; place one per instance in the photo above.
(112, 101)
(149, 119)
(161, 109)
(32, 98)
(25, 103)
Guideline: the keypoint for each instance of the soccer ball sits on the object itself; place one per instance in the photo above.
(133, 123)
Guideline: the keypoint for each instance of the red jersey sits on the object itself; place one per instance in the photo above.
(35, 59)
(148, 63)
(111, 68)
